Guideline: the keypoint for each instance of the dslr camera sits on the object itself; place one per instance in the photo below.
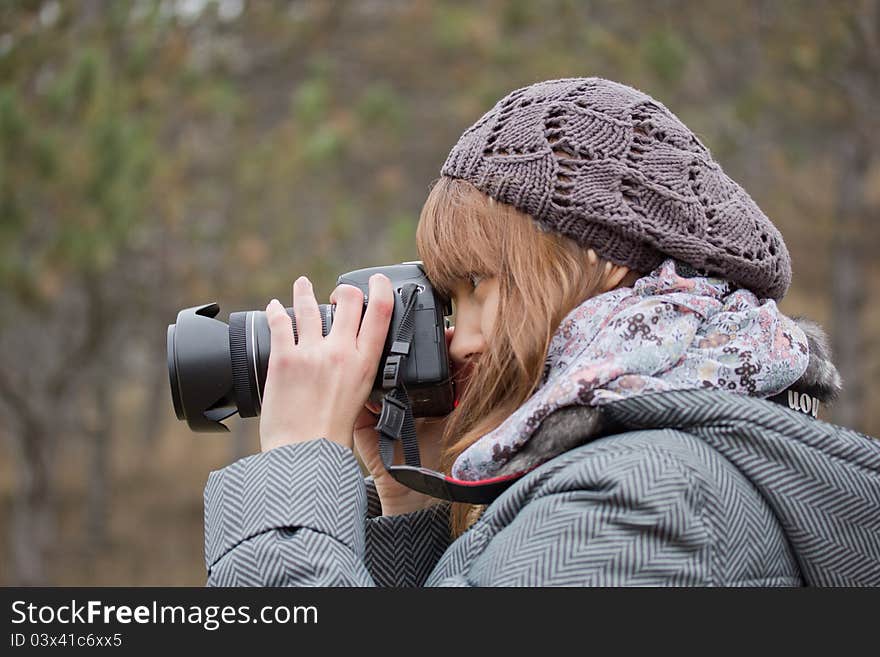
(218, 369)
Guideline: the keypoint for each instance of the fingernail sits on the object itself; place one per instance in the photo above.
(273, 302)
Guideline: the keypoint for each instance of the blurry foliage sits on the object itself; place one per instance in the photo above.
(76, 171)
(665, 53)
(185, 152)
(380, 107)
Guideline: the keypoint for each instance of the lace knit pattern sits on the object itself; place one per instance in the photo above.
(615, 170)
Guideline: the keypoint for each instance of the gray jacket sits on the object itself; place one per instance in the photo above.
(696, 487)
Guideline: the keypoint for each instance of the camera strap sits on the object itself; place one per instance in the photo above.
(396, 419)
(396, 423)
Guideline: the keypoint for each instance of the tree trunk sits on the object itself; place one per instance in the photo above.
(848, 286)
(157, 405)
(99, 468)
(242, 437)
(33, 525)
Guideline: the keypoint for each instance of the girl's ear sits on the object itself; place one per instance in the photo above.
(613, 274)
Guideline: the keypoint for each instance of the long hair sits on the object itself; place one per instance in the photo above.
(542, 277)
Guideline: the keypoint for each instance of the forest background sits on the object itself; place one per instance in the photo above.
(155, 155)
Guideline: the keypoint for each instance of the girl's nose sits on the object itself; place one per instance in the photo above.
(465, 347)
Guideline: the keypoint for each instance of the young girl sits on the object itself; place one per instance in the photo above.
(615, 348)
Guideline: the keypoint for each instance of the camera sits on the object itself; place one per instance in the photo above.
(217, 369)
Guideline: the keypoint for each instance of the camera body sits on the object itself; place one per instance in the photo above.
(216, 370)
(426, 374)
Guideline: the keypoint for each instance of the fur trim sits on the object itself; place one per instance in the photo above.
(562, 430)
(821, 379)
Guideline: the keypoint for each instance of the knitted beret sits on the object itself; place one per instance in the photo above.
(616, 171)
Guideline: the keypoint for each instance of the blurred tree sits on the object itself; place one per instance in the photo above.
(79, 125)
(807, 81)
(69, 199)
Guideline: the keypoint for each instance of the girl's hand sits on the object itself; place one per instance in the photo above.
(317, 387)
(397, 498)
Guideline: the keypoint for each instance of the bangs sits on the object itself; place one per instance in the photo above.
(459, 233)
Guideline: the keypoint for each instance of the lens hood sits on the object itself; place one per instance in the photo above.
(199, 368)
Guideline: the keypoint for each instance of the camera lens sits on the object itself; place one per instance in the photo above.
(217, 369)
(249, 340)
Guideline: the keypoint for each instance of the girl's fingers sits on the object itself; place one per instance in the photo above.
(280, 329)
(349, 302)
(377, 317)
(305, 309)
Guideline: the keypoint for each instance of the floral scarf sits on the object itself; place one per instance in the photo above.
(674, 329)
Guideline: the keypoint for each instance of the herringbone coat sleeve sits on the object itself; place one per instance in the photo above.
(403, 550)
(302, 515)
(292, 516)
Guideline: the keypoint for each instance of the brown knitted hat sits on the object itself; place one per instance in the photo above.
(616, 171)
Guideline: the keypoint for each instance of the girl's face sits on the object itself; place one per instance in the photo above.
(476, 303)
